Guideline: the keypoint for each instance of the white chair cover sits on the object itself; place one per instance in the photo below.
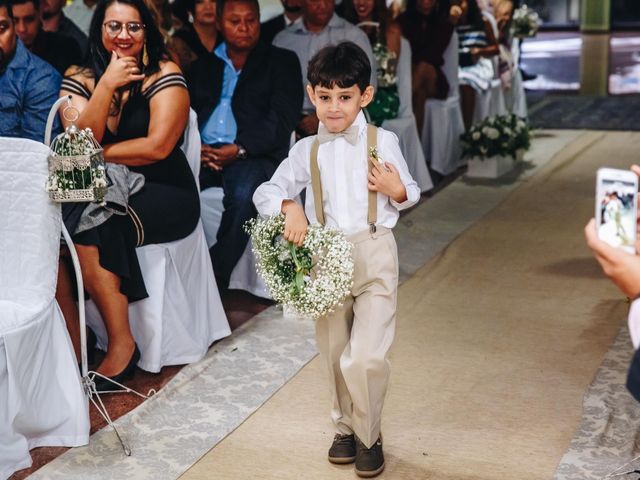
(183, 314)
(443, 123)
(41, 398)
(404, 126)
(491, 102)
(244, 275)
(516, 98)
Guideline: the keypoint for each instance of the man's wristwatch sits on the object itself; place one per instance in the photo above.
(242, 153)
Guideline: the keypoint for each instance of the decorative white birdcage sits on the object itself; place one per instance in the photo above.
(76, 165)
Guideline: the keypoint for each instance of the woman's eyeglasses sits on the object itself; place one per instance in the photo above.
(113, 28)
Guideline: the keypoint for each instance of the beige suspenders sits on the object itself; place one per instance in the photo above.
(372, 213)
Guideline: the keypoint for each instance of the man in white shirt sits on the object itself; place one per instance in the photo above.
(318, 27)
(361, 196)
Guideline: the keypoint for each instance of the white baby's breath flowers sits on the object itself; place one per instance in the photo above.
(312, 280)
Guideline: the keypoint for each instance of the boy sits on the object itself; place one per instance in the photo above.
(361, 197)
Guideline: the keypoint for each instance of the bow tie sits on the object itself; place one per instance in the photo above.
(350, 134)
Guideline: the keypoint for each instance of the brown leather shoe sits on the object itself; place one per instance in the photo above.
(369, 461)
(343, 449)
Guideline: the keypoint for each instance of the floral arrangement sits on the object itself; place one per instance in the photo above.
(76, 167)
(312, 279)
(386, 61)
(526, 22)
(505, 135)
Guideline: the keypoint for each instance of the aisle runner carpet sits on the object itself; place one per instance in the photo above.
(207, 400)
(499, 337)
(605, 442)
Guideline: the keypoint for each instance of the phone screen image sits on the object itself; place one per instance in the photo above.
(617, 213)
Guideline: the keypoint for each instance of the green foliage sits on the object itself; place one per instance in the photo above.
(312, 279)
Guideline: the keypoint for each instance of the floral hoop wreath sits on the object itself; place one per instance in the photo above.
(312, 279)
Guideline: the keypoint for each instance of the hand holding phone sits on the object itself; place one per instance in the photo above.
(616, 207)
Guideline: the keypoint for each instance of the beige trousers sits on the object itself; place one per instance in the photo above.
(354, 340)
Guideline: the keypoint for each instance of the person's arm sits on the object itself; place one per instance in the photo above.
(276, 195)
(289, 179)
(393, 34)
(492, 49)
(40, 93)
(94, 111)
(268, 133)
(168, 116)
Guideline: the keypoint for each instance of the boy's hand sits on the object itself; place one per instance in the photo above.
(295, 222)
(386, 179)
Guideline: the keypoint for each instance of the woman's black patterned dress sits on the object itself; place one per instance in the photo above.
(167, 208)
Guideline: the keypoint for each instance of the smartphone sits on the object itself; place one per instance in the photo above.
(616, 207)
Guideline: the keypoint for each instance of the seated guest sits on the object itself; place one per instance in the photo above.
(54, 20)
(270, 28)
(428, 26)
(200, 36)
(137, 105)
(80, 12)
(318, 27)
(28, 85)
(373, 17)
(248, 98)
(477, 44)
(59, 51)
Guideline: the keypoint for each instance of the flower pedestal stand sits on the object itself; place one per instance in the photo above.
(489, 167)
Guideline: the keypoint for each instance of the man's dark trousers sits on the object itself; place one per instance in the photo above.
(239, 180)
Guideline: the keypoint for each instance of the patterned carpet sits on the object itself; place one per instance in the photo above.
(584, 112)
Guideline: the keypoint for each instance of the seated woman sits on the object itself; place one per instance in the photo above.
(200, 36)
(477, 45)
(428, 26)
(373, 17)
(137, 105)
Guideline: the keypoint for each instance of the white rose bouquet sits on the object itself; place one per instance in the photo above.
(312, 279)
(503, 135)
(526, 22)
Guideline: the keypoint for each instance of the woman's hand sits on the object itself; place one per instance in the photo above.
(621, 267)
(295, 222)
(121, 72)
(386, 179)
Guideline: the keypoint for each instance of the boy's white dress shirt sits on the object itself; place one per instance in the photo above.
(343, 172)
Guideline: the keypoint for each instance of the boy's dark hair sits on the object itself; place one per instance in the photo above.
(342, 65)
(221, 3)
(7, 5)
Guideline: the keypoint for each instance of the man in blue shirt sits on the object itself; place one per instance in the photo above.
(248, 97)
(28, 85)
